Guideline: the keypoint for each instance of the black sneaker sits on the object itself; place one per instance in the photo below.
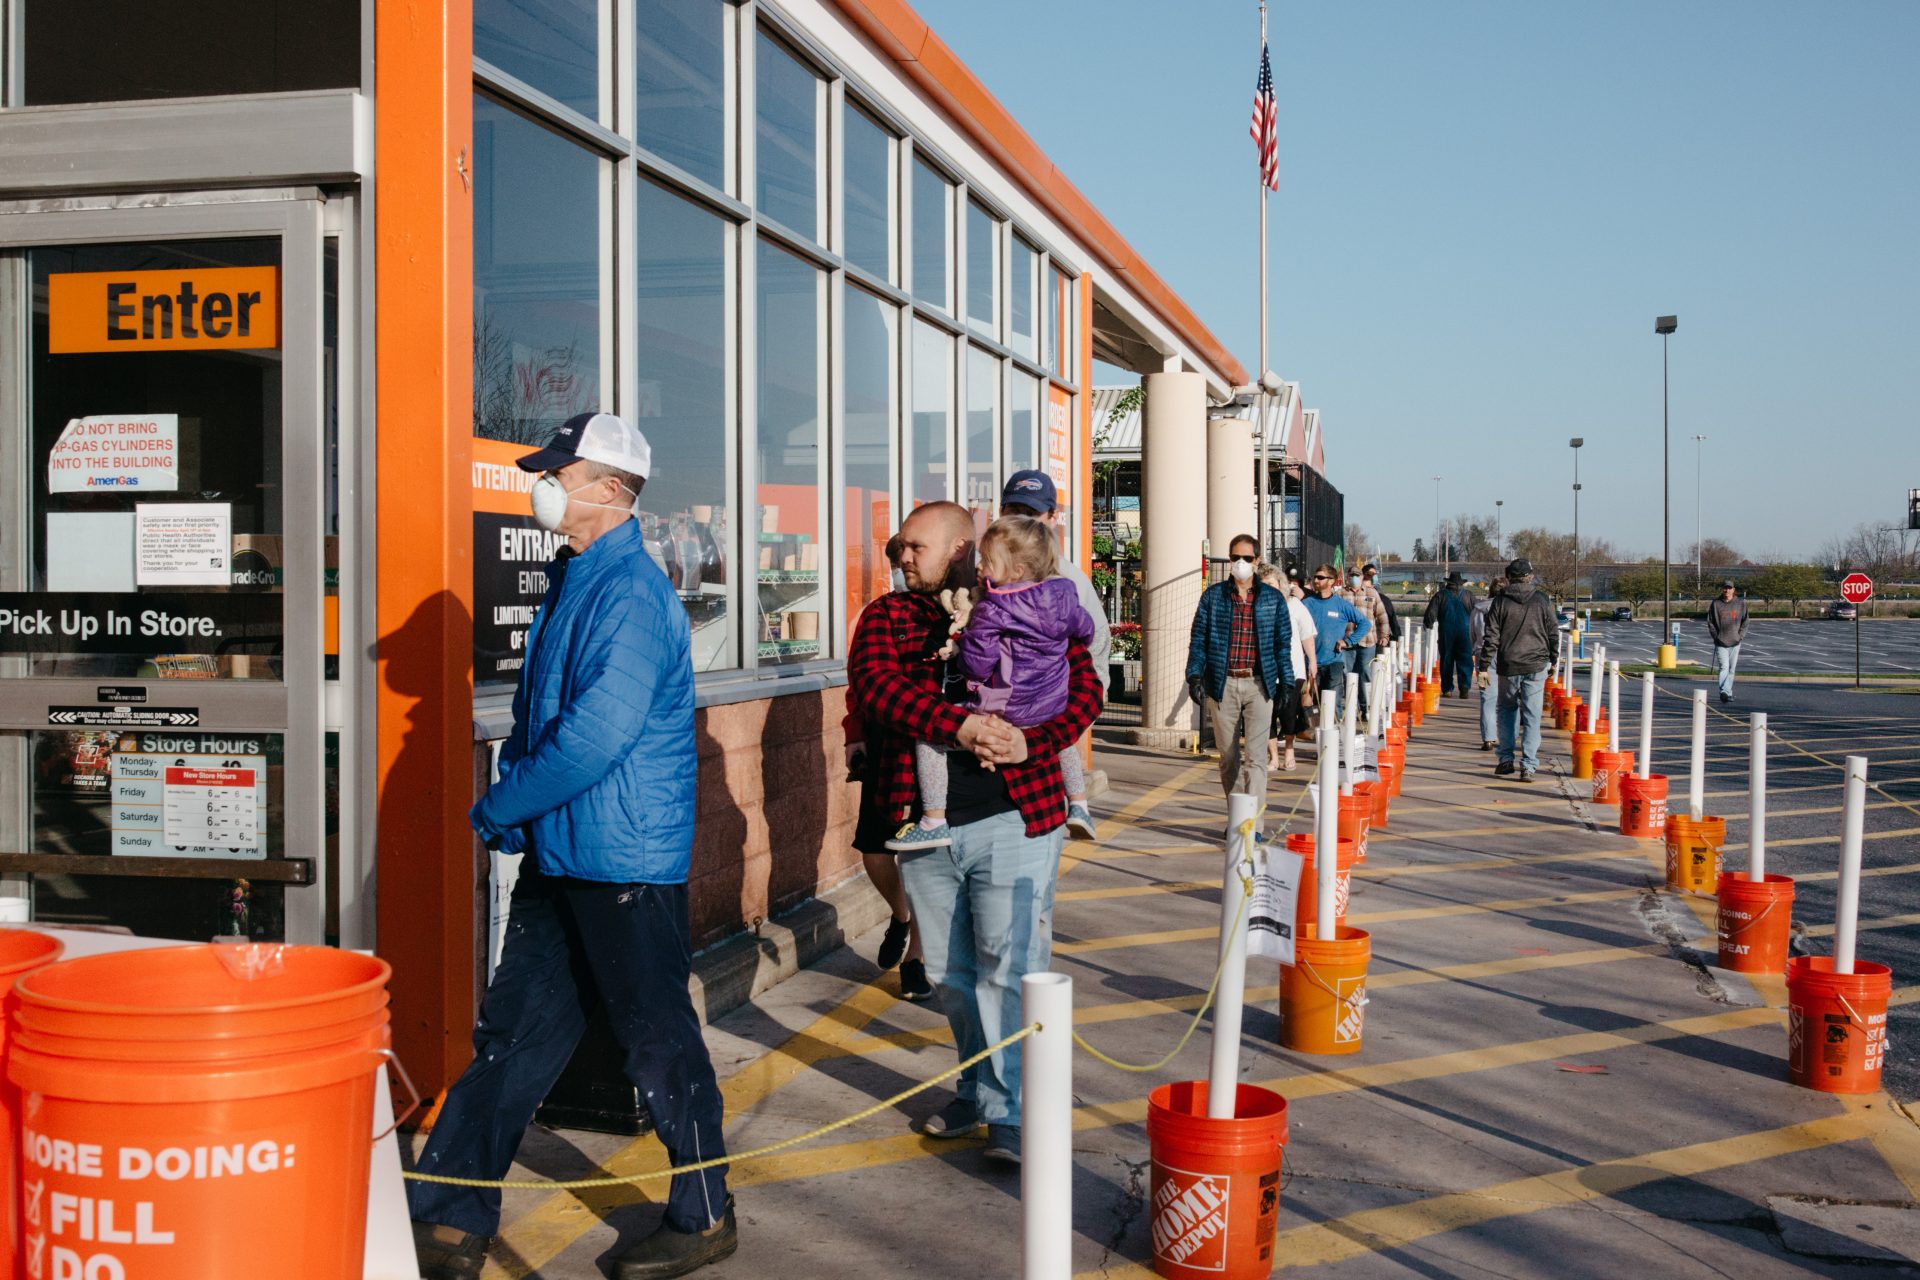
(1504, 768)
(913, 981)
(668, 1253)
(958, 1119)
(1486, 745)
(448, 1253)
(1526, 775)
(1003, 1143)
(1725, 698)
(894, 945)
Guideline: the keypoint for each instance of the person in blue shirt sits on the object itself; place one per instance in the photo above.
(597, 789)
(1338, 627)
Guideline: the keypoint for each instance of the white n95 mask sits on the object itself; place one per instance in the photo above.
(550, 498)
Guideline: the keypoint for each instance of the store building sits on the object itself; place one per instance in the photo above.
(286, 286)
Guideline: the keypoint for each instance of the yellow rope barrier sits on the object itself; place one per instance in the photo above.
(585, 1184)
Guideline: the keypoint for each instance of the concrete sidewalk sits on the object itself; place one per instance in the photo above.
(1553, 1082)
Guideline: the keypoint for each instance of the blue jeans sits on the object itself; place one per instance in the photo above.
(570, 943)
(1489, 705)
(985, 909)
(1725, 659)
(1520, 718)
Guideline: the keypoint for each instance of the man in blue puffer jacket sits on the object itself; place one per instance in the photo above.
(1238, 665)
(597, 788)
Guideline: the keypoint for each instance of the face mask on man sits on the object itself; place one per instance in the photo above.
(550, 497)
(1242, 570)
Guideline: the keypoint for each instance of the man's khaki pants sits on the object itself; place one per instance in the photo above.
(1244, 709)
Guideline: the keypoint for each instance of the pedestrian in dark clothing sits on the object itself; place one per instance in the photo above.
(1521, 637)
(1238, 667)
(597, 789)
(1451, 610)
(1727, 624)
(1370, 573)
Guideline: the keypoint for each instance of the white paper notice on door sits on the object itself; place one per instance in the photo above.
(105, 452)
(211, 808)
(183, 544)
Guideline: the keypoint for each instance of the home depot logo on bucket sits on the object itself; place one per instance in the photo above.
(1351, 1005)
(1342, 895)
(1190, 1219)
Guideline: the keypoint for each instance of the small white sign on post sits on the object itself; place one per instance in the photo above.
(1275, 903)
(183, 544)
(109, 451)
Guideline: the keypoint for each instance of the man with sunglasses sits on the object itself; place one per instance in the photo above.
(1338, 626)
(1237, 665)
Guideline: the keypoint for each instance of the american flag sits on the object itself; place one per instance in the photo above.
(1263, 119)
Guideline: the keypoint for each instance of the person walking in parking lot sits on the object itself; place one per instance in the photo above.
(1727, 624)
(1337, 627)
(1521, 636)
(1489, 695)
(1451, 610)
(1238, 667)
(1361, 592)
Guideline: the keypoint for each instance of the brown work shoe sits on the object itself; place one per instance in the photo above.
(667, 1253)
(448, 1253)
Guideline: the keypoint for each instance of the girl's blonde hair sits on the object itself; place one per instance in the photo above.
(1026, 541)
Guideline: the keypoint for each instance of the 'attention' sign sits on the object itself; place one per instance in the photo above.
(209, 309)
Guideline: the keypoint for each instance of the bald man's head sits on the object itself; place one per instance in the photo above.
(934, 540)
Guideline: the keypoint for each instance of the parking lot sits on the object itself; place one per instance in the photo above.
(1887, 647)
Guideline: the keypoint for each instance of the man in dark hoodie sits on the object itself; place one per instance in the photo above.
(1451, 610)
(1727, 624)
(1521, 636)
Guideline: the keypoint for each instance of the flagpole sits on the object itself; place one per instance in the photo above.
(1259, 374)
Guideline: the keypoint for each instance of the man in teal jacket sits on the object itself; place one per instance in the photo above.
(1237, 664)
(597, 788)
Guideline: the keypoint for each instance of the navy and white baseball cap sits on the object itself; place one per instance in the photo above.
(1030, 489)
(594, 437)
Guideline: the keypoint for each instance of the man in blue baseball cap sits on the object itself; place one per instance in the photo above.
(1032, 493)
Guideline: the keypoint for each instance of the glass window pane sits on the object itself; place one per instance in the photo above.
(1020, 289)
(791, 296)
(1060, 324)
(1023, 392)
(679, 56)
(124, 50)
(932, 413)
(786, 155)
(1050, 323)
(868, 162)
(983, 425)
(680, 399)
(932, 237)
(551, 44)
(872, 410)
(983, 271)
(536, 350)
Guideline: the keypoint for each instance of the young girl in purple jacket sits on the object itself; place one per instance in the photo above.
(1012, 650)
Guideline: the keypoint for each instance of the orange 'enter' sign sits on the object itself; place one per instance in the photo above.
(202, 310)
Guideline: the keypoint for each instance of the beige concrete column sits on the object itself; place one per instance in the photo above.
(1173, 503)
(1230, 480)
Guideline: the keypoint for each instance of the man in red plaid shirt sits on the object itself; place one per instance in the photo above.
(984, 904)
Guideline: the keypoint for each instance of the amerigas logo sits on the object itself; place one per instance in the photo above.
(1190, 1219)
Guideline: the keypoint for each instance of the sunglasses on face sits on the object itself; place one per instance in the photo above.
(1321, 577)
(1245, 559)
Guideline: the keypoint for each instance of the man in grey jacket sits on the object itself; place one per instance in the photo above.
(1727, 624)
(1033, 493)
(1521, 635)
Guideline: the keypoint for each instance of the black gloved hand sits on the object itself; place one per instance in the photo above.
(1197, 690)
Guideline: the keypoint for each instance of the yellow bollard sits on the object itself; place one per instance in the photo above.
(1669, 656)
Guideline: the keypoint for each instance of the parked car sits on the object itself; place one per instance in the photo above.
(1565, 617)
(1841, 611)
(1623, 613)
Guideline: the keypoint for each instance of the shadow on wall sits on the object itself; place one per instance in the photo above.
(1165, 638)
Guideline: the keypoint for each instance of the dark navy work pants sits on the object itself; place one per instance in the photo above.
(1456, 662)
(569, 943)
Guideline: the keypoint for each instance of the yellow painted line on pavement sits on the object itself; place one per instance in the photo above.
(1127, 816)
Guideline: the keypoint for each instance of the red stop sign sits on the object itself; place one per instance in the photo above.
(1856, 588)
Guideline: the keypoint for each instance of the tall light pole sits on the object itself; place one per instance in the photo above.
(1438, 531)
(1575, 444)
(1498, 541)
(1698, 550)
(1664, 326)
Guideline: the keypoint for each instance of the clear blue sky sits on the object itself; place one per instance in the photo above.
(1484, 205)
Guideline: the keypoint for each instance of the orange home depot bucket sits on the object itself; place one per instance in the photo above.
(1693, 852)
(1216, 1183)
(1836, 1024)
(1394, 758)
(1356, 811)
(1381, 793)
(1584, 745)
(1430, 690)
(1643, 806)
(1306, 905)
(1416, 705)
(1608, 768)
(1753, 922)
(20, 950)
(1323, 994)
(1402, 720)
(196, 1106)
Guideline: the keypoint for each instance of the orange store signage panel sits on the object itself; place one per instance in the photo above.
(214, 308)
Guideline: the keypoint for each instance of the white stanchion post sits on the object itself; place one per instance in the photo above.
(1613, 706)
(1046, 1122)
(1846, 898)
(1433, 653)
(1596, 697)
(1757, 799)
(1349, 736)
(1326, 831)
(1224, 1080)
(1645, 764)
(1697, 765)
